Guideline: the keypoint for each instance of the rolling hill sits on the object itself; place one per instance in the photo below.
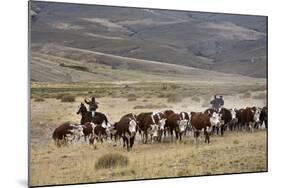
(108, 43)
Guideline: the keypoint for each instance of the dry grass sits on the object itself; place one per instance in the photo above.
(242, 152)
(76, 164)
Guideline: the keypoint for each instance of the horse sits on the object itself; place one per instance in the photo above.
(98, 119)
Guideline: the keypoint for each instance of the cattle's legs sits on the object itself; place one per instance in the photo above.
(196, 136)
(127, 143)
(207, 137)
(132, 141)
(124, 141)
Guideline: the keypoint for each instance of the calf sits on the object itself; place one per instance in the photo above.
(64, 131)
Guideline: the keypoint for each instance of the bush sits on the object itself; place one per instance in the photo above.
(260, 96)
(151, 106)
(175, 98)
(196, 99)
(68, 98)
(59, 96)
(111, 160)
(131, 95)
(235, 142)
(246, 95)
(39, 100)
(132, 99)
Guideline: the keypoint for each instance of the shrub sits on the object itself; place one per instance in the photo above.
(111, 160)
(175, 98)
(151, 106)
(59, 96)
(39, 100)
(68, 98)
(246, 95)
(131, 95)
(132, 99)
(235, 142)
(196, 99)
(260, 96)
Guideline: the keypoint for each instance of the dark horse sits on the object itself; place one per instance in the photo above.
(87, 116)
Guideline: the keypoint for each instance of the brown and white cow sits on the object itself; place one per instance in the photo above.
(228, 120)
(203, 123)
(177, 123)
(163, 128)
(65, 131)
(151, 124)
(94, 132)
(126, 129)
(251, 116)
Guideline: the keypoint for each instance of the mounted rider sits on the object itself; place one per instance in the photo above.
(93, 105)
(217, 102)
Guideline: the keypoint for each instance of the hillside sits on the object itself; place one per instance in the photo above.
(234, 44)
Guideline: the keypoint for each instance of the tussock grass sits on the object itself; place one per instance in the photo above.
(246, 95)
(68, 98)
(111, 160)
(195, 98)
(39, 100)
(132, 99)
(260, 96)
(175, 98)
(150, 106)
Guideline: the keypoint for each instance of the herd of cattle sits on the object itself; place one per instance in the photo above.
(154, 126)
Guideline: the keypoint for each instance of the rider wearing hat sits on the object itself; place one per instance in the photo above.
(93, 105)
(217, 102)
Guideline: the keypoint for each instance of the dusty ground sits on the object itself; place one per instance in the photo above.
(235, 152)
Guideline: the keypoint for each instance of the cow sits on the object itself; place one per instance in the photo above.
(150, 123)
(203, 122)
(65, 131)
(228, 119)
(163, 129)
(177, 123)
(263, 116)
(215, 129)
(156, 125)
(239, 125)
(250, 117)
(143, 127)
(94, 132)
(232, 124)
(126, 129)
